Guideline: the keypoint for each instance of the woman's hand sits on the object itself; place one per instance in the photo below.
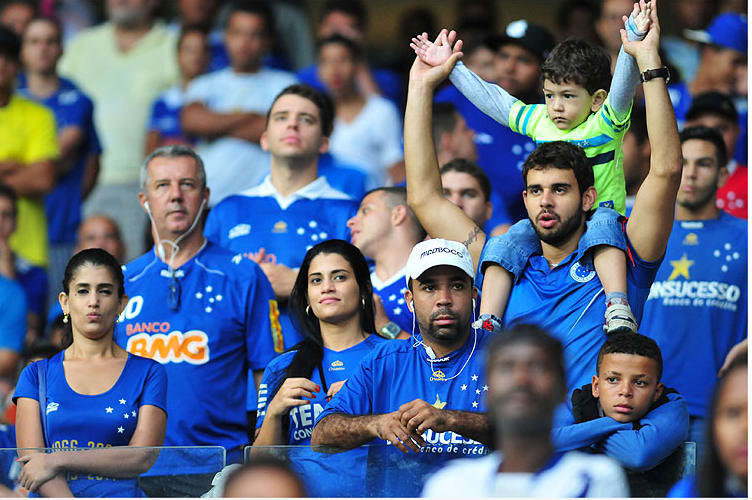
(292, 393)
(38, 468)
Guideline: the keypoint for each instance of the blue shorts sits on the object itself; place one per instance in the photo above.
(512, 249)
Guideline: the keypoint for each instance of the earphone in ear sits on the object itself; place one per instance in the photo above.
(473, 304)
(146, 206)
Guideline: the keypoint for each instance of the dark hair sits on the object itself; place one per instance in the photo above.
(465, 166)
(563, 155)
(444, 119)
(90, 257)
(41, 349)
(396, 196)
(50, 20)
(710, 135)
(264, 461)
(192, 28)
(531, 334)
(10, 45)
(8, 192)
(631, 343)
(352, 8)
(321, 100)
(310, 350)
(255, 7)
(711, 473)
(337, 39)
(577, 62)
(638, 124)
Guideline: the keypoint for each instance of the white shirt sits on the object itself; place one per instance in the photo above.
(318, 189)
(233, 165)
(573, 474)
(372, 142)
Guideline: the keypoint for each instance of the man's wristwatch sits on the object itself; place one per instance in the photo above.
(648, 75)
(390, 330)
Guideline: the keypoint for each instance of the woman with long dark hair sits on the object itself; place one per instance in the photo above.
(93, 394)
(723, 468)
(332, 306)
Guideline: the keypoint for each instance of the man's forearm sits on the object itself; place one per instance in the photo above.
(197, 119)
(344, 431)
(35, 179)
(472, 425)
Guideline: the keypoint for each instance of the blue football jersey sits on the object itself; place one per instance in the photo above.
(336, 365)
(95, 421)
(165, 115)
(33, 279)
(400, 371)
(697, 308)
(222, 326)
(392, 293)
(9, 468)
(568, 301)
(255, 219)
(501, 153)
(63, 204)
(13, 318)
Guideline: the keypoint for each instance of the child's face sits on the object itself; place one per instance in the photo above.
(569, 104)
(627, 385)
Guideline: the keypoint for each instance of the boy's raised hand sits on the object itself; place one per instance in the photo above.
(436, 53)
(639, 21)
(646, 48)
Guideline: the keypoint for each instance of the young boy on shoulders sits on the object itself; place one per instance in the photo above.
(578, 109)
(625, 412)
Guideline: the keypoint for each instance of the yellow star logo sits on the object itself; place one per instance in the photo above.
(438, 404)
(681, 267)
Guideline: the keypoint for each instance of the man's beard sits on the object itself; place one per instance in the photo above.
(444, 334)
(558, 236)
(708, 196)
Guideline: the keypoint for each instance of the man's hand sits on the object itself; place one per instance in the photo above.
(389, 428)
(418, 416)
(292, 393)
(645, 51)
(434, 53)
(433, 75)
(281, 277)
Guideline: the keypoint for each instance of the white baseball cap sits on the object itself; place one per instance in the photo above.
(438, 252)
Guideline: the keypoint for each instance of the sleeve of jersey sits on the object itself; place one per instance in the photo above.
(662, 431)
(263, 332)
(354, 398)
(609, 122)
(640, 273)
(95, 147)
(13, 319)
(524, 118)
(196, 92)
(155, 387)
(28, 383)
(584, 434)
(271, 380)
(76, 115)
(43, 145)
(490, 98)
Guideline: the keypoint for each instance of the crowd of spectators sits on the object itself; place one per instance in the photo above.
(499, 194)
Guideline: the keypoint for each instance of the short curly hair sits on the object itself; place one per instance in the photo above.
(631, 343)
(576, 61)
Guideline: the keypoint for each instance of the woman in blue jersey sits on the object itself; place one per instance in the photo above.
(332, 304)
(93, 394)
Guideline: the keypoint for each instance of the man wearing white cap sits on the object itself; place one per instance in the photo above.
(425, 394)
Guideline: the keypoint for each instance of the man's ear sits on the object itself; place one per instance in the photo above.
(409, 300)
(588, 198)
(398, 215)
(595, 390)
(263, 141)
(324, 147)
(599, 97)
(658, 391)
(722, 177)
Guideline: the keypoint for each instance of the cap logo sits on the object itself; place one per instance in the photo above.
(432, 251)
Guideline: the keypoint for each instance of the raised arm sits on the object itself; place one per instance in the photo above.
(626, 73)
(652, 217)
(490, 98)
(440, 217)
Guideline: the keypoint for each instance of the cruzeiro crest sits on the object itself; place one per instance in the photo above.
(580, 273)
